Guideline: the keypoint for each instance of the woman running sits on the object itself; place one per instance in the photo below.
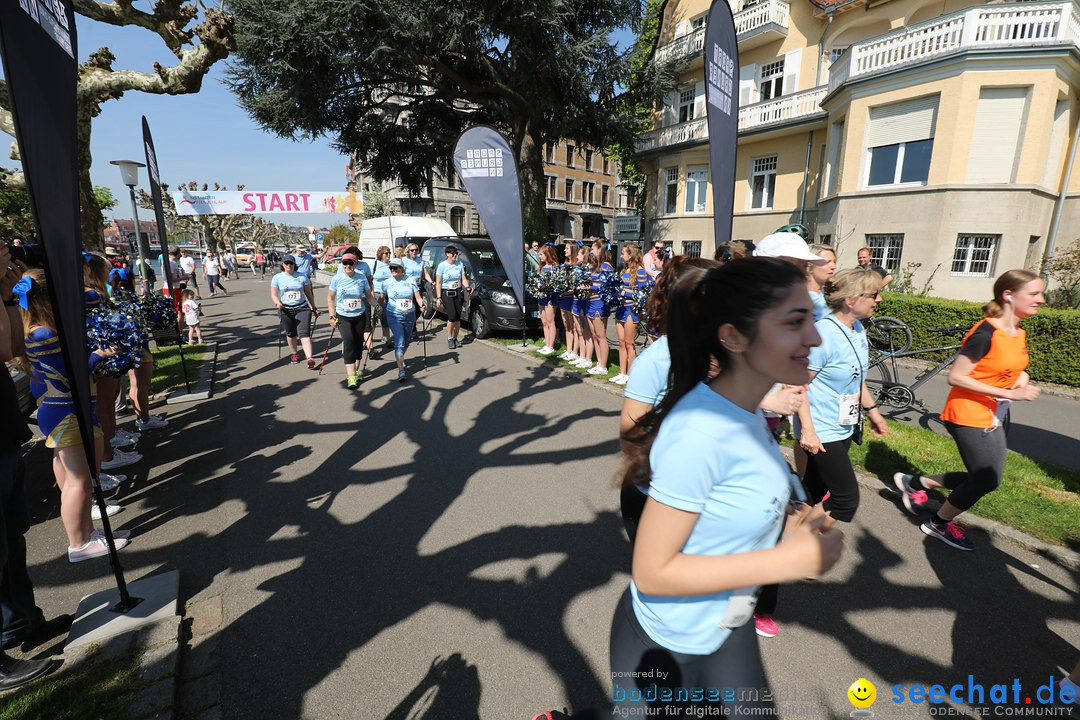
(837, 395)
(719, 492)
(402, 298)
(291, 293)
(626, 320)
(549, 260)
(583, 336)
(348, 312)
(566, 304)
(597, 311)
(451, 285)
(57, 421)
(986, 377)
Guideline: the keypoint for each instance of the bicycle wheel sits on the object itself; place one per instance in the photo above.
(878, 379)
(641, 339)
(887, 334)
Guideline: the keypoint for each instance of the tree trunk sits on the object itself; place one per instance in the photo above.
(532, 181)
(91, 220)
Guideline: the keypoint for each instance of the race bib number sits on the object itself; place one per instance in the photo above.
(291, 297)
(849, 410)
(403, 305)
(353, 305)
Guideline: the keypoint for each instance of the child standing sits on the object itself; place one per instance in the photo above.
(192, 314)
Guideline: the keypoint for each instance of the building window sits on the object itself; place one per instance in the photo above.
(974, 255)
(835, 54)
(457, 220)
(686, 105)
(698, 22)
(551, 186)
(587, 192)
(549, 152)
(763, 182)
(771, 84)
(885, 250)
(569, 191)
(604, 195)
(906, 162)
(607, 166)
(569, 156)
(691, 248)
(588, 159)
(671, 190)
(697, 181)
(825, 240)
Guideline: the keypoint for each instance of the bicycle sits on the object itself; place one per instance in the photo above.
(883, 375)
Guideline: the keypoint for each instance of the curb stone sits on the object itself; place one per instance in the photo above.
(1063, 556)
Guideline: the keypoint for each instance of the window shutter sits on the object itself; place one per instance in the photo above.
(699, 100)
(671, 100)
(747, 89)
(996, 137)
(906, 121)
(792, 65)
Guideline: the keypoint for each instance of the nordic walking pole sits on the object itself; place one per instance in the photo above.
(367, 350)
(281, 333)
(333, 327)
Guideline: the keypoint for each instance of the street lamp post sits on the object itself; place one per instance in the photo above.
(129, 173)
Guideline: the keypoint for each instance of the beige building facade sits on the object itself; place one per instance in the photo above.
(939, 134)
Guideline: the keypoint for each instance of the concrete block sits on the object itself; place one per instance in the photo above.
(95, 622)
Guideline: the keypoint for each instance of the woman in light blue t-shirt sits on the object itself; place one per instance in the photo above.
(402, 301)
(719, 492)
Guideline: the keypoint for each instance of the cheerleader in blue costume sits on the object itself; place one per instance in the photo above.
(56, 418)
(96, 271)
(596, 314)
(549, 304)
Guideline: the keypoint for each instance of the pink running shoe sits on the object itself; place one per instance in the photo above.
(765, 625)
(950, 533)
(913, 499)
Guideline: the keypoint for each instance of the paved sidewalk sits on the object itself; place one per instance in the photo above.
(451, 547)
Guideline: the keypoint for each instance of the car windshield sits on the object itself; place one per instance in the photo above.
(486, 263)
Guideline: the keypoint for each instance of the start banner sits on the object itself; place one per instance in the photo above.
(245, 202)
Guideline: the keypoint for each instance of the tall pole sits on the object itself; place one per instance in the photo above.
(138, 241)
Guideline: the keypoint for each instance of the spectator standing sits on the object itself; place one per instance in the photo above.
(864, 261)
(653, 261)
(187, 266)
(192, 316)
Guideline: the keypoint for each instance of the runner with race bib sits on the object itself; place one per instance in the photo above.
(402, 300)
(345, 299)
(451, 284)
(291, 293)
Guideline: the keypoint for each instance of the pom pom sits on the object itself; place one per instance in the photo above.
(538, 284)
(640, 299)
(610, 288)
(581, 278)
(118, 328)
(157, 312)
(561, 280)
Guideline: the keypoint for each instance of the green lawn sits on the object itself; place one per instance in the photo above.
(1038, 498)
(103, 690)
(168, 374)
(537, 343)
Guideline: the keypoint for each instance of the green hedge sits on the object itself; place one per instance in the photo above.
(1053, 336)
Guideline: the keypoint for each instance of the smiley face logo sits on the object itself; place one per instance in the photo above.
(862, 693)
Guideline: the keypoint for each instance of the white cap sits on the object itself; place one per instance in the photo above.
(786, 245)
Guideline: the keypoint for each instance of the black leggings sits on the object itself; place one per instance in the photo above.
(352, 336)
(453, 305)
(642, 669)
(983, 453)
(831, 472)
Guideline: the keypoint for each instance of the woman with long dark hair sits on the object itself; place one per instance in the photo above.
(719, 490)
(987, 376)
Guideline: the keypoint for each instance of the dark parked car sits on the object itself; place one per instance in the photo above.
(493, 306)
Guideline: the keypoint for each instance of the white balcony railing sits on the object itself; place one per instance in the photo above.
(806, 103)
(684, 47)
(762, 14)
(694, 130)
(1011, 25)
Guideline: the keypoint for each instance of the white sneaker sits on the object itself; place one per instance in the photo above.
(615, 379)
(623, 380)
(110, 510)
(546, 350)
(119, 441)
(582, 363)
(121, 459)
(154, 422)
(571, 356)
(564, 356)
(598, 370)
(95, 548)
(109, 482)
(128, 434)
(117, 534)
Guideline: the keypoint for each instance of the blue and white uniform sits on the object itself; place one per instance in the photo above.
(597, 307)
(738, 487)
(400, 311)
(834, 392)
(629, 285)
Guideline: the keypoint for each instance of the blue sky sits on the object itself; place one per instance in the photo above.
(205, 136)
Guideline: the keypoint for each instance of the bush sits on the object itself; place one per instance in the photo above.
(1053, 336)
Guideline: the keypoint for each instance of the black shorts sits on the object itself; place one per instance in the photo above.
(453, 304)
(296, 322)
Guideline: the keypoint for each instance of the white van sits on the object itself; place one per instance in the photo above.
(406, 228)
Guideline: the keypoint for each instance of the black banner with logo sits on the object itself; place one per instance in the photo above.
(159, 211)
(487, 166)
(722, 108)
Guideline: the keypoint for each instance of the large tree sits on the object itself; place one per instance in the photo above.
(396, 81)
(197, 35)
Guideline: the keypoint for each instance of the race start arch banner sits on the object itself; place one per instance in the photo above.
(486, 165)
(722, 111)
(251, 202)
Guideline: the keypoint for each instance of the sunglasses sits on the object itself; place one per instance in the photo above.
(413, 250)
(348, 263)
(870, 295)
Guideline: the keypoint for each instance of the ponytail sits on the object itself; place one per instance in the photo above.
(1011, 280)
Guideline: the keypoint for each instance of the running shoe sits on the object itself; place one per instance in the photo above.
(95, 548)
(571, 356)
(582, 363)
(913, 499)
(311, 364)
(294, 359)
(765, 626)
(110, 510)
(402, 376)
(950, 533)
(121, 459)
(153, 422)
(625, 379)
(545, 351)
(109, 482)
(598, 370)
(352, 382)
(119, 441)
(134, 435)
(617, 379)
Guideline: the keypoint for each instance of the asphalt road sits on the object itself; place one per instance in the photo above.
(451, 548)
